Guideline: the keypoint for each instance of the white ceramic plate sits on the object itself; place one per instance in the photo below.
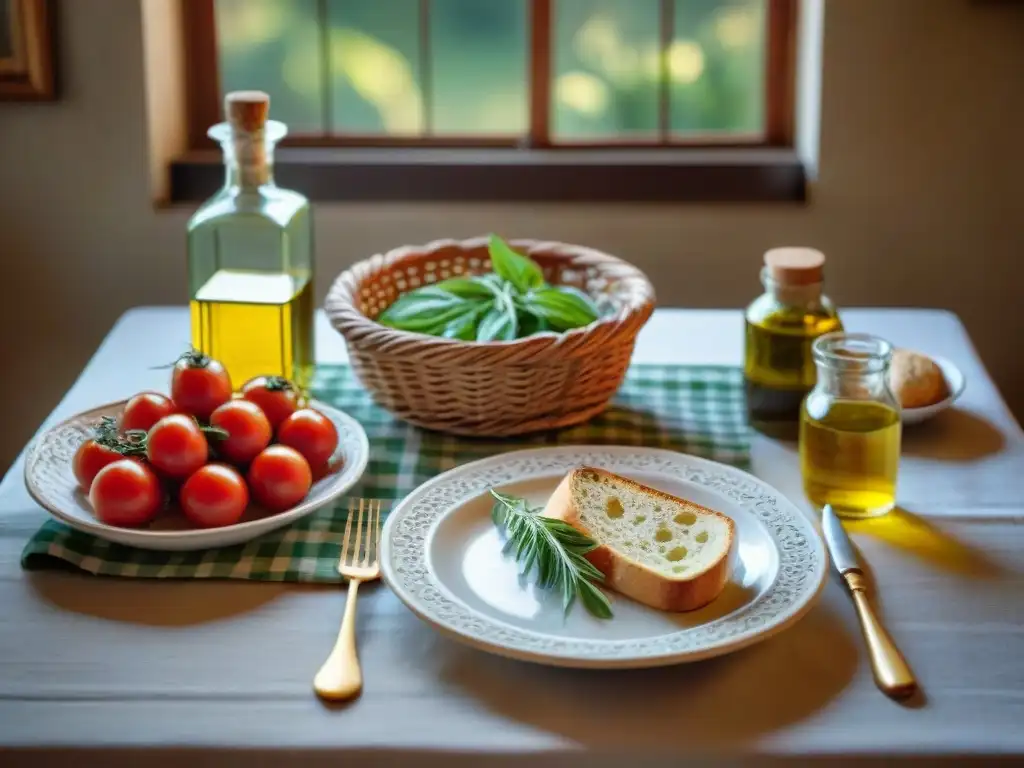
(956, 382)
(442, 556)
(51, 482)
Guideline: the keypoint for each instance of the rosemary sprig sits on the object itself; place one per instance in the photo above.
(556, 549)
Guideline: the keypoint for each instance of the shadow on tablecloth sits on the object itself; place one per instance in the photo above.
(953, 435)
(741, 696)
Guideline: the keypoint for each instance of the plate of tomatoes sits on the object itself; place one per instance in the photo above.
(202, 466)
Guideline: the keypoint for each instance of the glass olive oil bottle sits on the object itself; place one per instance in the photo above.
(850, 428)
(250, 256)
(780, 327)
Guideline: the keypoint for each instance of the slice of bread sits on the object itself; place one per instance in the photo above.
(662, 551)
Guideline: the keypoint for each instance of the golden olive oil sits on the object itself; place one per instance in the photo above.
(849, 456)
(256, 324)
(778, 366)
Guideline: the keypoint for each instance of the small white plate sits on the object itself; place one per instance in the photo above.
(442, 556)
(51, 482)
(956, 382)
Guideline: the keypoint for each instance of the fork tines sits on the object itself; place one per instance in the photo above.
(368, 509)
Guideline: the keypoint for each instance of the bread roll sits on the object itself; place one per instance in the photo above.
(916, 380)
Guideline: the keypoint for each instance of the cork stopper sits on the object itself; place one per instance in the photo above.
(795, 266)
(247, 110)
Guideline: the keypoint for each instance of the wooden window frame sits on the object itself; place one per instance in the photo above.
(708, 167)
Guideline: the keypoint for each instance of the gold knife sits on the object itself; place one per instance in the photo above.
(890, 669)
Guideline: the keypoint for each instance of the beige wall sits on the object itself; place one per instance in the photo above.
(918, 201)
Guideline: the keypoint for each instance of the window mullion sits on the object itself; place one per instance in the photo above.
(779, 71)
(426, 69)
(666, 26)
(326, 76)
(202, 72)
(540, 73)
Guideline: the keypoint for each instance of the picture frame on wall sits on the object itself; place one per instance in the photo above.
(27, 71)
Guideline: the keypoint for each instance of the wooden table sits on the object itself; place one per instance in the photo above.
(113, 672)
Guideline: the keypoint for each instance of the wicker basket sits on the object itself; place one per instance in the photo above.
(490, 388)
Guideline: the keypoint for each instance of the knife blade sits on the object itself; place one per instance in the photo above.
(839, 544)
(890, 669)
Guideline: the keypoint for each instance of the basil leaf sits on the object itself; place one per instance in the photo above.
(493, 279)
(529, 323)
(562, 310)
(499, 324)
(586, 298)
(521, 271)
(421, 317)
(464, 326)
(465, 287)
(409, 302)
(426, 292)
(433, 324)
(423, 310)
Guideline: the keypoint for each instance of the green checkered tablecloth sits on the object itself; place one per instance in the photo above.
(697, 410)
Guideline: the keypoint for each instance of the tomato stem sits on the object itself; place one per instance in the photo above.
(215, 431)
(135, 441)
(132, 443)
(195, 358)
(278, 384)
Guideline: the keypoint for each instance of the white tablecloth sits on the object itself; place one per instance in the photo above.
(120, 672)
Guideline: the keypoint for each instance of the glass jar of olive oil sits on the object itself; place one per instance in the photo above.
(850, 427)
(250, 256)
(781, 325)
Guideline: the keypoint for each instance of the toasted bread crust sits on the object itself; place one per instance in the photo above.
(634, 579)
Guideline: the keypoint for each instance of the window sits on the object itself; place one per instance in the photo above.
(551, 76)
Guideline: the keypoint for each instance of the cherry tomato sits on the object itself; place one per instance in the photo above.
(248, 430)
(126, 493)
(144, 410)
(277, 396)
(199, 384)
(214, 495)
(89, 459)
(329, 467)
(310, 433)
(176, 446)
(279, 477)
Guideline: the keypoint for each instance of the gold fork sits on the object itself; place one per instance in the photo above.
(340, 677)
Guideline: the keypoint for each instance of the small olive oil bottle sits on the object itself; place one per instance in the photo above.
(850, 429)
(250, 256)
(780, 326)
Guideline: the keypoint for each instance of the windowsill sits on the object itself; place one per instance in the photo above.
(515, 175)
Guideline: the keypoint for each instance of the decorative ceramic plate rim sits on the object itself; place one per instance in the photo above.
(802, 571)
(350, 433)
